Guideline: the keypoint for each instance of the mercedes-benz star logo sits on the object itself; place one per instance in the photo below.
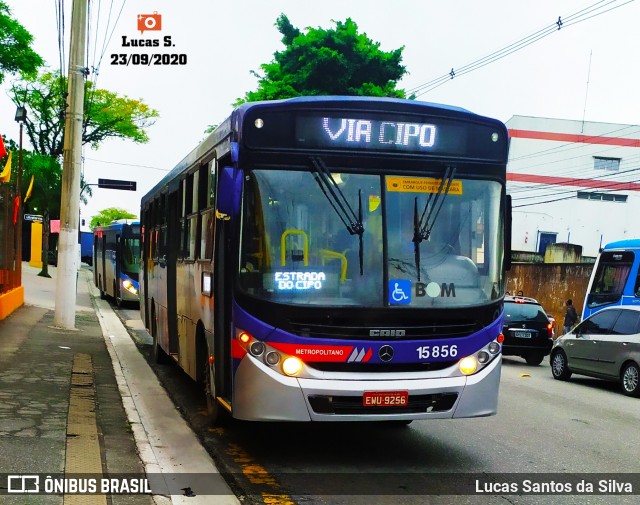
(385, 353)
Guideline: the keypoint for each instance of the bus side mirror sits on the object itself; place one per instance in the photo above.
(229, 191)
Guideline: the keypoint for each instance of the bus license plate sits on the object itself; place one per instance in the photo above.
(385, 398)
(523, 334)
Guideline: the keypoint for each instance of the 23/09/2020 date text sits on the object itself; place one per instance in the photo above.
(148, 59)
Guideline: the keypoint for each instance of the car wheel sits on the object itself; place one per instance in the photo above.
(630, 381)
(559, 366)
(534, 358)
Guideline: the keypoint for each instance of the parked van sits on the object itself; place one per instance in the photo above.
(606, 345)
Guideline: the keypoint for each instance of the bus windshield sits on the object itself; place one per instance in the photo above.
(610, 277)
(301, 245)
(130, 256)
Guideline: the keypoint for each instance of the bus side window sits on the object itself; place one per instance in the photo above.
(206, 209)
(636, 289)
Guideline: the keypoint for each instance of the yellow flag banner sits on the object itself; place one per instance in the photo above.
(26, 197)
(5, 175)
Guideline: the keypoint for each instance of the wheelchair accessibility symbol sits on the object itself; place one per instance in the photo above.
(399, 292)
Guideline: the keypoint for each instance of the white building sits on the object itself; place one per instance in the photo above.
(573, 181)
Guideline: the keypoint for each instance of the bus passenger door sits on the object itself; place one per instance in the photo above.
(103, 259)
(222, 311)
(117, 268)
(172, 248)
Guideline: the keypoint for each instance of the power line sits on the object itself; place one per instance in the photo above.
(578, 17)
(59, 8)
(606, 185)
(580, 169)
(128, 164)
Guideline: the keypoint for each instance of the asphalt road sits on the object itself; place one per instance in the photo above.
(547, 433)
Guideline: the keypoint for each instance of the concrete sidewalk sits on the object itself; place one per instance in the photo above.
(84, 401)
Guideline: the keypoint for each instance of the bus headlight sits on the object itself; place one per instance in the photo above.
(128, 285)
(468, 365)
(292, 365)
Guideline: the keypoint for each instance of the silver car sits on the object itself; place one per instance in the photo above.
(606, 345)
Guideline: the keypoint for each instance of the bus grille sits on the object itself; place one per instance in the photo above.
(414, 332)
(352, 405)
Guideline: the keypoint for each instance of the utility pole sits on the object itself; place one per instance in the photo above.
(66, 281)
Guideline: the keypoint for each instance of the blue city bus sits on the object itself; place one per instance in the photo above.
(116, 261)
(334, 259)
(615, 279)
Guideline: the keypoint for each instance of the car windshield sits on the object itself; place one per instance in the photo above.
(515, 311)
(301, 240)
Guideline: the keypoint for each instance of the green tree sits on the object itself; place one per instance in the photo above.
(16, 55)
(107, 216)
(337, 61)
(47, 180)
(47, 177)
(106, 115)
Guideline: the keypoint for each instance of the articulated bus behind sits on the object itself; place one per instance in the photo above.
(116, 253)
(615, 279)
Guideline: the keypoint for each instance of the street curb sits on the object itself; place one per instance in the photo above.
(164, 437)
(143, 446)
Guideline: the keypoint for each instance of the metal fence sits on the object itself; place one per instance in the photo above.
(10, 268)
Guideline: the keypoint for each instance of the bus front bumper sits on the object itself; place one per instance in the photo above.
(262, 394)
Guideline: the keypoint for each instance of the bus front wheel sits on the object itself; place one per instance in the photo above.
(159, 356)
(215, 413)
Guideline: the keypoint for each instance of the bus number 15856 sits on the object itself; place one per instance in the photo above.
(437, 351)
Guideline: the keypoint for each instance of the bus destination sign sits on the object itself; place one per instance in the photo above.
(397, 134)
(363, 131)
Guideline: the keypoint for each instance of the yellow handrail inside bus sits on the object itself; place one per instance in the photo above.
(328, 254)
(305, 246)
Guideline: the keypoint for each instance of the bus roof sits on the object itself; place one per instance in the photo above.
(221, 137)
(630, 243)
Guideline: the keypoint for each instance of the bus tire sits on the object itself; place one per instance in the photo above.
(216, 414)
(159, 356)
(117, 295)
(398, 423)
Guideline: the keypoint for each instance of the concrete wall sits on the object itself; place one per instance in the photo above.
(551, 284)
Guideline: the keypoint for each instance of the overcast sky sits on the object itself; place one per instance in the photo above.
(587, 69)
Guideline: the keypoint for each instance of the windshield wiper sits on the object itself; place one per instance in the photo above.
(332, 192)
(422, 227)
